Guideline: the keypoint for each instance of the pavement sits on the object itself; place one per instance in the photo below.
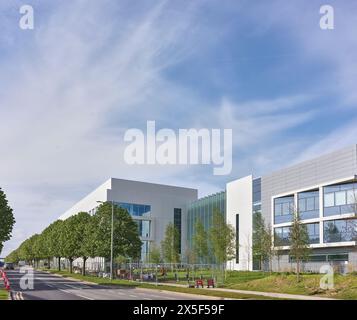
(54, 287)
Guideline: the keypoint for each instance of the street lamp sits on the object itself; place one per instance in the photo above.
(111, 240)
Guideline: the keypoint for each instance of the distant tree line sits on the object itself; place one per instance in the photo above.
(83, 236)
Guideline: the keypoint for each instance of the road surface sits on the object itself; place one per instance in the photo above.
(53, 287)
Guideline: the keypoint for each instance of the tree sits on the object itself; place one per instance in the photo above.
(54, 240)
(7, 220)
(74, 236)
(155, 254)
(258, 238)
(88, 246)
(200, 242)
(221, 238)
(126, 241)
(170, 244)
(268, 248)
(299, 242)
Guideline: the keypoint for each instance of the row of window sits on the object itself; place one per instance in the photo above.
(334, 231)
(338, 199)
(138, 210)
(324, 257)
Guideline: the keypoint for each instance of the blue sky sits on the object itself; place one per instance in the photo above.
(92, 69)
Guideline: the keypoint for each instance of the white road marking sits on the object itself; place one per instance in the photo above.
(78, 295)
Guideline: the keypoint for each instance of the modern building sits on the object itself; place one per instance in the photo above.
(323, 190)
(152, 206)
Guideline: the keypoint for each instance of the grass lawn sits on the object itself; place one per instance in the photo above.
(3, 294)
(345, 287)
(123, 283)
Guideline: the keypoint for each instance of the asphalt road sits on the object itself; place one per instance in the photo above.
(54, 287)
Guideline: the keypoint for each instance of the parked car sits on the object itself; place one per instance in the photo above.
(9, 266)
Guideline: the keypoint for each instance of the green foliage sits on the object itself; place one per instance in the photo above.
(170, 244)
(52, 240)
(299, 242)
(74, 236)
(222, 238)
(200, 242)
(7, 219)
(155, 254)
(83, 236)
(126, 241)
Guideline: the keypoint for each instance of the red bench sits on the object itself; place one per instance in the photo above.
(210, 283)
(199, 283)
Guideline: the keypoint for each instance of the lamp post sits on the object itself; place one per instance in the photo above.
(111, 240)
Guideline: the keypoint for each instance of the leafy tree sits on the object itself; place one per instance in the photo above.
(155, 254)
(268, 246)
(170, 244)
(27, 250)
(222, 238)
(55, 240)
(299, 242)
(13, 257)
(126, 241)
(7, 220)
(87, 241)
(200, 242)
(73, 238)
(258, 237)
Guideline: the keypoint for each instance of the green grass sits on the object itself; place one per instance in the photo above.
(345, 287)
(3, 294)
(126, 283)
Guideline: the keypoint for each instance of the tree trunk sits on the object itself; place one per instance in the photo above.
(48, 263)
(70, 265)
(84, 266)
(298, 270)
(59, 263)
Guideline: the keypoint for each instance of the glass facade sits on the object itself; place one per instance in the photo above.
(340, 199)
(308, 204)
(177, 224)
(145, 250)
(283, 209)
(135, 210)
(281, 236)
(313, 230)
(144, 228)
(257, 190)
(202, 209)
(340, 230)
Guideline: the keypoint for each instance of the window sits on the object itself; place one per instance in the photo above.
(284, 209)
(313, 230)
(281, 236)
(177, 224)
(340, 230)
(340, 199)
(138, 210)
(144, 228)
(145, 249)
(308, 204)
(329, 200)
(237, 238)
(323, 257)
